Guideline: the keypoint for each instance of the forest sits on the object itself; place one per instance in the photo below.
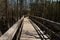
(10, 12)
(47, 10)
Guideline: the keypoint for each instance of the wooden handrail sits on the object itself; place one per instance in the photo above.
(44, 19)
(49, 31)
(38, 30)
(11, 32)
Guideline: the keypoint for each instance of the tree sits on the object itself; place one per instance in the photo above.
(21, 6)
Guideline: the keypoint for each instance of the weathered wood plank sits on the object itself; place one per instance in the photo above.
(11, 32)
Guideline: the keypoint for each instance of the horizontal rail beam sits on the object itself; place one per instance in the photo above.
(11, 32)
(44, 19)
(48, 31)
(54, 26)
(39, 31)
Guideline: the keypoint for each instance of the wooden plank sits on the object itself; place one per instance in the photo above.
(11, 32)
(44, 19)
(41, 33)
(28, 32)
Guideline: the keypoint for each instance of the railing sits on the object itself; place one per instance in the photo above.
(9, 35)
(50, 28)
(42, 36)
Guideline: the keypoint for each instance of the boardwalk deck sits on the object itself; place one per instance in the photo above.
(28, 32)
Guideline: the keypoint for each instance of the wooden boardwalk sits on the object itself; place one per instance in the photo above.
(28, 32)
